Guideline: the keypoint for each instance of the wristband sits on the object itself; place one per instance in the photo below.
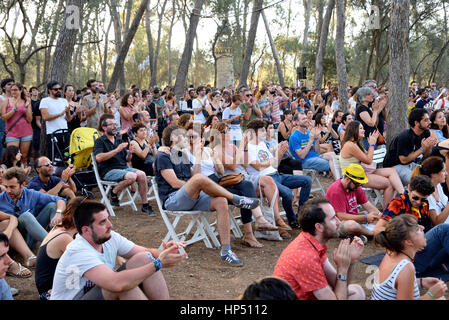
(64, 181)
(431, 295)
(366, 219)
(422, 149)
(245, 150)
(157, 264)
(372, 145)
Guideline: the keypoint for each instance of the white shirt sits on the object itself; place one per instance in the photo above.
(199, 117)
(78, 258)
(439, 104)
(54, 106)
(234, 126)
(260, 153)
(439, 205)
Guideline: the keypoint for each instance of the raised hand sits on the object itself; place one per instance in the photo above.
(372, 139)
(356, 248)
(342, 256)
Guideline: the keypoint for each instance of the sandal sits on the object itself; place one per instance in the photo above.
(252, 243)
(21, 273)
(265, 226)
(284, 234)
(282, 225)
(29, 260)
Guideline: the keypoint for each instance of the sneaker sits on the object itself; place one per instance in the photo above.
(14, 291)
(294, 225)
(248, 203)
(232, 259)
(149, 210)
(114, 199)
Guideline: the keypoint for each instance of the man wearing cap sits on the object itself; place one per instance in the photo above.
(344, 195)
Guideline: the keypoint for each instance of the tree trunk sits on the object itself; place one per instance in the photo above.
(104, 73)
(125, 46)
(170, 33)
(188, 46)
(340, 56)
(319, 25)
(38, 70)
(257, 8)
(118, 41)
(322, 48)
(306, 33)
(273, 49)
(129, 9)
(64, 46)
(399, 68)
(158, 45)
(149, 37)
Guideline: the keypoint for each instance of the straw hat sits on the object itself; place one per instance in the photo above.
(356, 173)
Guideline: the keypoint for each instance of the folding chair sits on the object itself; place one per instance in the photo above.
(314, 175)
(106, 186)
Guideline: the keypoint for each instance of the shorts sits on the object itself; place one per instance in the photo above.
(117, 175)
(21, 139)
(181, 201)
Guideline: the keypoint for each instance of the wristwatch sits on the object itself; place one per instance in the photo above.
(341, 277)
(59, 211)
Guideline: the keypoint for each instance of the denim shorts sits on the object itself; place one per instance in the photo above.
(117, 175)
(316, 163)
(181, 201)
(21, 139)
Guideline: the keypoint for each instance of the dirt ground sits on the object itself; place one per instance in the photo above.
(203, 275)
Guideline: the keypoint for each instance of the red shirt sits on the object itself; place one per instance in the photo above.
(344, 201)
(301, 264)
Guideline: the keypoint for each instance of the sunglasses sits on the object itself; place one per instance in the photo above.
(46, 164)
(248, 95)
(56, 89)
(416, 198)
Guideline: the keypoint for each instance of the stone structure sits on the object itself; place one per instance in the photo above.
(225, 67)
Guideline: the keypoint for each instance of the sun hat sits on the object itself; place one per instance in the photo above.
(356, 173)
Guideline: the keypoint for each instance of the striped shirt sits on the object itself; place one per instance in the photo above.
(276, 113)
(386, 290)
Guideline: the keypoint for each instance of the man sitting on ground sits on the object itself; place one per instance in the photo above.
(180, 191)
(304, 264)
(112, 158)
(344, 195)
(414, 201)
(5, 260)
(35, 211)
(47, 183)
(406, 150)
(86, 269)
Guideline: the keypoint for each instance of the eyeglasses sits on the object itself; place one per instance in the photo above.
(416, 198)
(57, 89)
(46, 164)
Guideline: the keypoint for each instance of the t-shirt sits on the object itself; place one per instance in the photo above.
(234, 126)
(402, 204)
(439, 205)
(299, 140)
(36, 113)
(5, 290)
(78, 258)
(104, 145)
(37, 184)
(199, 103)
(402, 145)
(301, 264)
(90, 102)
(343, 201)
(422, 103)
(55, 106)
(362, 108)
(260, 153)
(244, 107)
(178, 161)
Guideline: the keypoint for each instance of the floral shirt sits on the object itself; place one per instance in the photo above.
(402, 204)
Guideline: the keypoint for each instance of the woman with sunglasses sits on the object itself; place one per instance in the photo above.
(233, 117)
(435, 169)
(228, 159)
(353, 151)
(17, 112)
(402, 238)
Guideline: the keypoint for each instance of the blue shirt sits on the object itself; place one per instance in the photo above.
(37, 184)
(31, 200)
(298, 141)
(5, 290)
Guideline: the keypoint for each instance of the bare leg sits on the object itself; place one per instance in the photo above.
(393, 177)
(129, 179)
(24, 150)
(143, 185)
(354, 228)
(249, 237)
(355, 292)
(329, 156)
(17, 242)
(381, 183)
(220, 205)
(133, 294)
(268, 188)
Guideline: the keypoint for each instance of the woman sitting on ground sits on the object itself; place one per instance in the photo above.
(143, 149)
(386, 179)
(438, 126)
(396, 279)
(52, 248)
(435, 169)
(12, 158)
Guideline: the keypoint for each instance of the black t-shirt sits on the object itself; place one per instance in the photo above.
(189, 104)
(422, 102)
(402, 145)
(179, 162)
(359, 109)
(104, 145)
(36, 113)
(152, 110)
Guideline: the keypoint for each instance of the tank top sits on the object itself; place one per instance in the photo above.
(139, 163)
(386, 289)
(45, 268)
(345, 162)
(22, 128)
(126, 124)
